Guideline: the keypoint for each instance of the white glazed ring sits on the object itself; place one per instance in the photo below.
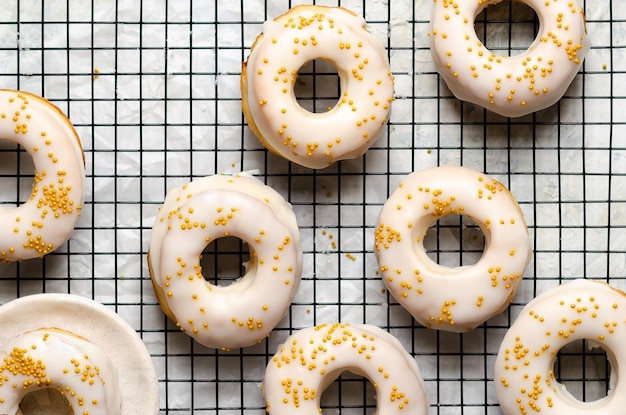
(451, 299)
(104, 330)
(46, 220)
(303, 34)
(509, 85)
(312, 358)
(213, 207)
(577, 310)
(57, 359)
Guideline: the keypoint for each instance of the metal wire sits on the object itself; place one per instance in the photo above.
(153, 90)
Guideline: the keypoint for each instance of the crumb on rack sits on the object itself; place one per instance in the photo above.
(330, 236)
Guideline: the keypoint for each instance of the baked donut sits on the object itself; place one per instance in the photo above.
(46, 220)
(512, 86)
(58, 359)
(312, 358)
(213, 207)
(303, 34)
(581, 309)
(440, 297)
(82, 318)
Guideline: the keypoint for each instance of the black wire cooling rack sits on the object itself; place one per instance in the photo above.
(153, 90)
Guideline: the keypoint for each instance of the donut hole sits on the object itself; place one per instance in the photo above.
(454, 241)
(584, 369)
(318, 86)
(17, 171)
(46, 401)
(507, 28)
(224, 261)
(349, 394)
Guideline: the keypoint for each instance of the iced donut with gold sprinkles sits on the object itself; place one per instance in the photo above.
(194, 215)
(306, 33)
(453, 299)
(524, 368)
(47, 219)
(511, 86)
(57, 359)
(312, 358)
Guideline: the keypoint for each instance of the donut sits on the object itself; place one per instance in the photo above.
(46, 220)
(213, 207)
(90, 325)
(312, 358)
(511, 86)
(345, 131)
(61, 360)
(453, 299)
(581, 309)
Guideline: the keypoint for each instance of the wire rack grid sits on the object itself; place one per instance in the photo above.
(152, 87)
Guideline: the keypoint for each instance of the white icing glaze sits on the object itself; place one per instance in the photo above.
(191, 217)
(312, 358)
(452, 299)
(136, 375)
(57, 359)
(512, 86)
(47, 219)
(581, 309)
(347, 130)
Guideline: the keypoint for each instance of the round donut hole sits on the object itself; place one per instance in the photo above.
(349, 394)
(17, 171)
(507, 28)
(318, 86)
(45, 401)
(583, 368)
(454, 241)
(223, 261)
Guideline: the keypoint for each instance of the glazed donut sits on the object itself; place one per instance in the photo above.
(303, 34)
(46, 220)
(451, 299)
(512, 86)
(311, 359)
(194, 215)
(581, 309)
(58, 359)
